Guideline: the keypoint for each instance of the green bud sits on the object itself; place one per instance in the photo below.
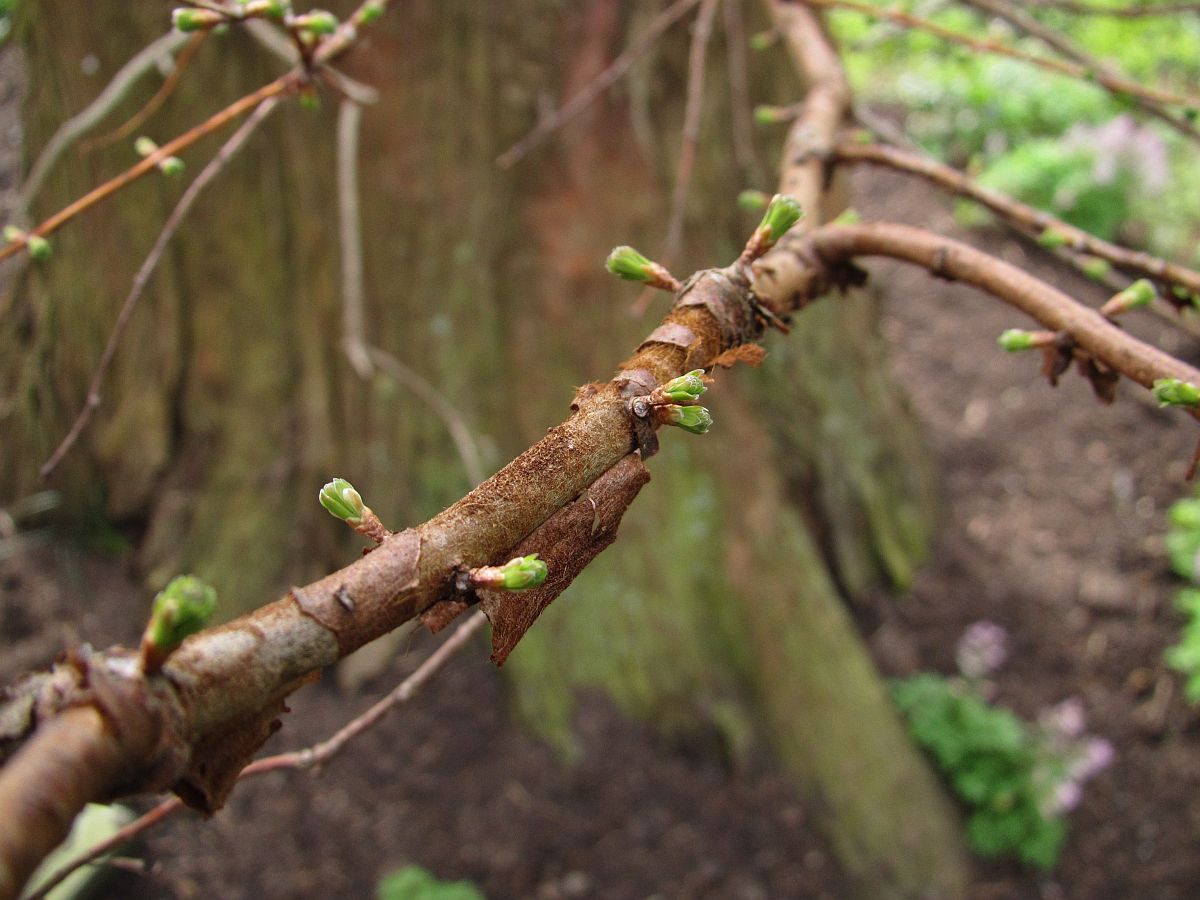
(1191, 113)
(1014, 340)
(182, 608)
(144, 146)
(1173, 392)
(38, 247)
(1180, 292)
(523, 572)
(195, 19)
(686, 388)
(1095, 268)
(1052, 239)
(753, 201)
(1185, 514)
(782, 213)
(317, 21)
(269, 9)
(1140, 293)
(310, 100)
(13, 233)
(172, 166)
(370, 12)
(762, 40)
(695, 419)
(770, 115)
(627, 263)
(849, 216)
(342, 501)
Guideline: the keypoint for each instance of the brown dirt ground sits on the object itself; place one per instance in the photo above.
(1052, 525)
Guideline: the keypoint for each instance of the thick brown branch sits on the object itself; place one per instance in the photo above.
(946, 258)
(308, 758)
(220, 692)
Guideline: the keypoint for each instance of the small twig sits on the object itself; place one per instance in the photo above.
(350, 233)
(460, 433)
(364, 358)
(1121, 12)
(309, 758)
(739, 94)
(1110, 82)
(150, 163)
(142, 278)
(79, 124)
(1024, 22)
(691, 130)
(602, 82)
(152, 105)
(273, 41)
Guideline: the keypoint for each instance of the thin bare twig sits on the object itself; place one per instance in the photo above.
(350, 234)
(142, 278)
(154, 103)
(310, 758)
(1024, 22)
(79, 124)
(364, 358)
(1121, 12)
(150, 163)
(739, 94)
(460, 432)
(691, 130)
(603, 81)
(1101, 77)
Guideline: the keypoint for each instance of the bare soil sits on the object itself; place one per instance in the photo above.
(1053, 518)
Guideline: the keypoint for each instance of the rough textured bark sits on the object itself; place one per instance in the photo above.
(231, 403)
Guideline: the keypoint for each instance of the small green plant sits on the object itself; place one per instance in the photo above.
(1017, 779)
(1183, 547)
(415, 883)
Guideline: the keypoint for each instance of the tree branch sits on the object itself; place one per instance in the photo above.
(142, 278)
(1100, 76)
(603, 81)
(1104, 341)
(1021, 214)
(1106, 74)
(309, 758)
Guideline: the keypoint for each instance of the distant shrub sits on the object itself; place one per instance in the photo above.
(1018, 780)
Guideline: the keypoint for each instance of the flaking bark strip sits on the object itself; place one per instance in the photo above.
(357, 603)
(220, 756)
(670, 333)
(725, 294)
(568, 541)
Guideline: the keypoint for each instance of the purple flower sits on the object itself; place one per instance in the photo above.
(1064, 719)
(982, 649)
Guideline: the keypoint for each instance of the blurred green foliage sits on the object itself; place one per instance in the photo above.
(992, 761)
(1062, 144)
(415, 883)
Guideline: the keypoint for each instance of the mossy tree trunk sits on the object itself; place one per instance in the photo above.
(230, 401)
